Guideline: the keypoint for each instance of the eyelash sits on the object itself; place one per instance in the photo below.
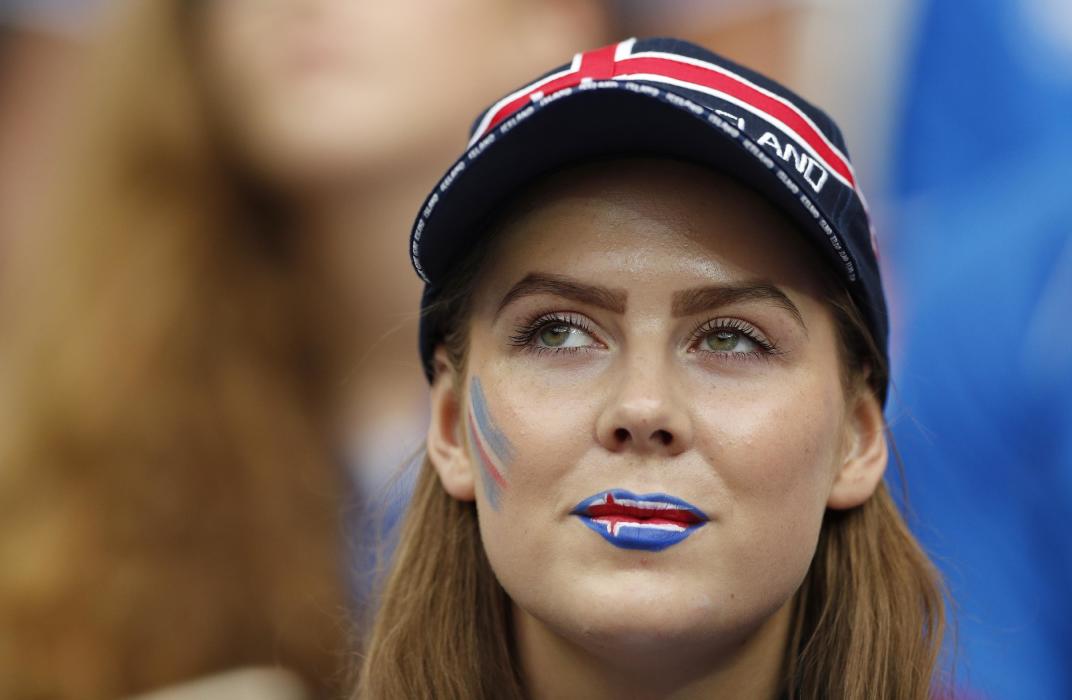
(767, 349)
(525, 334)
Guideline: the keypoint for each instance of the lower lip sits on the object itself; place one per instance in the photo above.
(651, 522)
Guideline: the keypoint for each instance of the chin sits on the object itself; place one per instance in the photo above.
(637, 618)
(641, 610)
(300, 162)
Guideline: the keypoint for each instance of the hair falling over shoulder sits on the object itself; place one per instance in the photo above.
(868, 620)
(443, 626)
(168, 504)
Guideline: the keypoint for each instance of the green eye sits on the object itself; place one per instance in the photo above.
(555, 335)
(730, 341)
(723, 341)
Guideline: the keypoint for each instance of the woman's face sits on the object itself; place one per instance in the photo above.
(652, 414)
(321, 90)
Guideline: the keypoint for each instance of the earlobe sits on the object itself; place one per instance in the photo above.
(865, 455)
(446, 446)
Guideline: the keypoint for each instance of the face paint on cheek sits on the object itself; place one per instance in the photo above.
(492, 451)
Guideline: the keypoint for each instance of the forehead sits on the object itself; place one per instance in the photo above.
(638, 218)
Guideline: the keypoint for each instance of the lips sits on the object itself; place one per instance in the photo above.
(649, 522)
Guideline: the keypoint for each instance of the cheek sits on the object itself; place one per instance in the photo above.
(775, 458)
(548, 428)
(491, 450)
(542, 435)
(777, 440)
(547, 424)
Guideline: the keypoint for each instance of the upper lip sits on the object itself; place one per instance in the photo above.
(656, 507)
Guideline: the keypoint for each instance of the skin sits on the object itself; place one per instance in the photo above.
(762, 441)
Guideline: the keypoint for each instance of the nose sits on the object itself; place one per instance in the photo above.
(644, 414)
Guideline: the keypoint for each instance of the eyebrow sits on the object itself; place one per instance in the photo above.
(684, 303)
(542, 283)
(699, 299)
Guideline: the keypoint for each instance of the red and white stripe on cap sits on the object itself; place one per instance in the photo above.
(618, 62)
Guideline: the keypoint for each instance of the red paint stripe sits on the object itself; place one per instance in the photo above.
(617, 511)
(488, 464)
(742, 91)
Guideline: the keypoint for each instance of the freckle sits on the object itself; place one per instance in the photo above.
(732, 596)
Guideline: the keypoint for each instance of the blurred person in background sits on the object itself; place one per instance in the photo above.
(199, 334)
(168, 501)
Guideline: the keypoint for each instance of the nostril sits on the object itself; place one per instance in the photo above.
(663, 436)
(621, 435)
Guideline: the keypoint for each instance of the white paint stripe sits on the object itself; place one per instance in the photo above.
(634, 503)
(485, 449)
(646, 505)
(614, 528)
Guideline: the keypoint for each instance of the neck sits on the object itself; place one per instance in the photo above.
(746, 667)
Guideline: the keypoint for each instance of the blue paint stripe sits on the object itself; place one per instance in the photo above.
(491, 487)
(492, 436)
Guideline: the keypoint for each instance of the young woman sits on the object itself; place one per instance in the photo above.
(655, 334)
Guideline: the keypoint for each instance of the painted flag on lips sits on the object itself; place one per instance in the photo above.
(650, 522)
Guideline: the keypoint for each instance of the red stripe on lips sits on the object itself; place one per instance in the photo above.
(656, 513)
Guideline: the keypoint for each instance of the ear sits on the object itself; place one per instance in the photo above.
(864, 455)
(447, 448)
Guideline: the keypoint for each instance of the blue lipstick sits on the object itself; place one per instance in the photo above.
(651, 522)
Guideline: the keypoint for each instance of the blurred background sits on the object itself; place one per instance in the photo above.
(208, 379)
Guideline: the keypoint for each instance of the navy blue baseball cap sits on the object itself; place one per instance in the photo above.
(655, 97)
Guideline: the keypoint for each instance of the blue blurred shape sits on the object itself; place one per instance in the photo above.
(981, 266)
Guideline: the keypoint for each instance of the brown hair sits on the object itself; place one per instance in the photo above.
(168, 504)
(869, 618)
(867, 621)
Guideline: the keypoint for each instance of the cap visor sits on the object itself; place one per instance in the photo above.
(587, 124)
